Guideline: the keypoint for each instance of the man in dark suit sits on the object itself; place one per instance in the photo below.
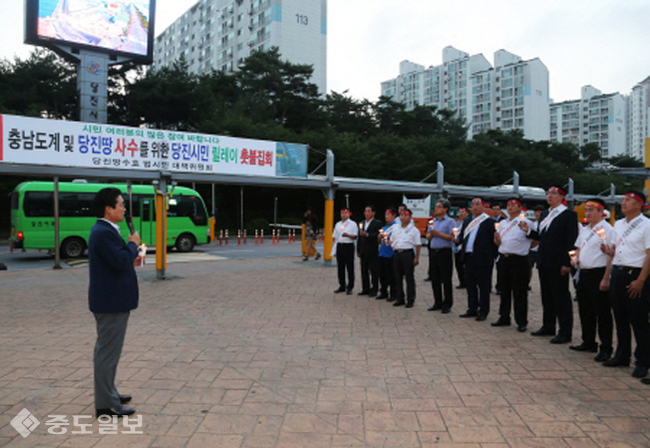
(112, 294)
(556, 232)
(479, 252)
(368, 252)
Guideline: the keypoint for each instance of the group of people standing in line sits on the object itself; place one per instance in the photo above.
(608, 266)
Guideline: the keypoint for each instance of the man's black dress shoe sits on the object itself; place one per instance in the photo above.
(560, 339)
(408, 305)
(460, 287)
(391, 299)
(125, 399)
(584, 348)
(349, 292)
(428, 279)
(381, 296)
(336, 291)
(446, 311)
(501, 323)
(617, 362)
(481, 318)
(521, 328)
(645, 380)
(468, 314)
(542, 332)
(372, 293)
(640, 371)
(399, 303)
(434, 308)
(363, 293)
(119, 411)
(603, 356)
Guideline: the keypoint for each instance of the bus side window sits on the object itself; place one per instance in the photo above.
(76, 204)
(39, 203)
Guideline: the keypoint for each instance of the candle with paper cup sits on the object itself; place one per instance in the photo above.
(142, 253)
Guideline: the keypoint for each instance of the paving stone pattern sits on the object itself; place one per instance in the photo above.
(261, 353)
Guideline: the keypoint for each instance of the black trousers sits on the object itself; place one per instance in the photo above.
(441, 267)
(369, 274)
(556, 301)
(513, 279)
(595, 309)
(630, 311)
(403, 266)
(478, 280)
(387, 277)
(460, 267)
(345, 261)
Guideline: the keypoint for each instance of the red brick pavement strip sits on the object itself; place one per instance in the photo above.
(261, 353)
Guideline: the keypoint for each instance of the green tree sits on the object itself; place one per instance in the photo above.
(169, 98)
(277, 89)
(625, 162)
(43, 85)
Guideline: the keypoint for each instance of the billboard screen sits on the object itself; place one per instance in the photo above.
(117, 27)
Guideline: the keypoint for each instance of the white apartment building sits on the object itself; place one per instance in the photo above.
(594, 118)
(220, 34)
(512, 94)
(638, 120)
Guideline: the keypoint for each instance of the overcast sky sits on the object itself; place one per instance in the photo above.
(603, 43)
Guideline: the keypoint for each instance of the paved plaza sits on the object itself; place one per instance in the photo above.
(261, 353)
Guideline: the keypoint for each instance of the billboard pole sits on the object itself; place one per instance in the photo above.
(92, 85)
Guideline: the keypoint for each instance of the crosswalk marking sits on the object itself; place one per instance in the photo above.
(187, 257)
(172, 257)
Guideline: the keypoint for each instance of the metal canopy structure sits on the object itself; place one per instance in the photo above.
(335, 183)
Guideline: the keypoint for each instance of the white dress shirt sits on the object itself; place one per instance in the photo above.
(513, 239)
(630, 248)
(405, 237)
(588, 241)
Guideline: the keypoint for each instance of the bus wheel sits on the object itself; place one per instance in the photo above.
(185, 243)
(73, 247)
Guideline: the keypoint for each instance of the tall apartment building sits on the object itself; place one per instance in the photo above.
(638, 119)
(512, 94)
(220, 34)
(594, 118)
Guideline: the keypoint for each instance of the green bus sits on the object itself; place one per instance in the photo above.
(32, 216)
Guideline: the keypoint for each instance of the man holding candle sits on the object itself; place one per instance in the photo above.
(386, 275)
(593, 281)
(345, 232)
(479, 252)
(630, 293)
(368, 252)
(458, 249)
(513, 274)
(440, 235)
(405, 241)
(556, 233)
